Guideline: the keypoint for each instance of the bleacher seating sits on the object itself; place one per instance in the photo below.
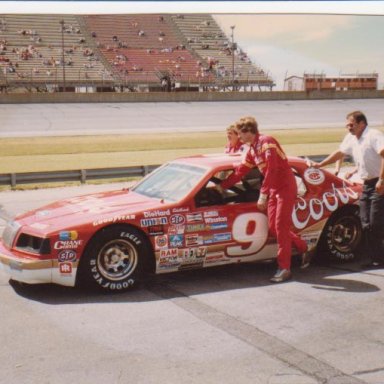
(146, 48)
(120, 51)
(33, 52)
(207, 39)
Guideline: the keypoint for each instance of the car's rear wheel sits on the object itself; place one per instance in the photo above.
(342, 237)
(115, 259)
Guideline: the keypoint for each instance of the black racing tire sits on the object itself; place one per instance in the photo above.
(115, 259)
(341, 239)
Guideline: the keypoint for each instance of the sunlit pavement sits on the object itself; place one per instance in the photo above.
(219, 325)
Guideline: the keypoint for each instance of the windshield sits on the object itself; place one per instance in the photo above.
(171, 182)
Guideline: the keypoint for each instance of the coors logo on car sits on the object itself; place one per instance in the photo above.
(314, 176)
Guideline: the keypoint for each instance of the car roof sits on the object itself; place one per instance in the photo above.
(211, 160)
(223, 160)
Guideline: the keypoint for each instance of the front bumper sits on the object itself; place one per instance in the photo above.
(34, 271)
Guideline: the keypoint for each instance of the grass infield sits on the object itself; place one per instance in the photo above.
(79, 152)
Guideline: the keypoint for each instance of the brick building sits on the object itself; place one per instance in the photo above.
(311, 82)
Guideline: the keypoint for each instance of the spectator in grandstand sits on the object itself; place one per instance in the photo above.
(164, 84)
(141, 33)
(277, 194)
(366, 145)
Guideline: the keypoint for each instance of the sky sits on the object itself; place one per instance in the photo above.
(291, 44)
(285, 38)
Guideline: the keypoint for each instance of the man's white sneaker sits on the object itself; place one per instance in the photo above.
(281, 275)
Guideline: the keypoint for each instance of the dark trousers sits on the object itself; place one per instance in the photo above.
(372, 220)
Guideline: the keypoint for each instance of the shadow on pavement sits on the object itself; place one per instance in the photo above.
(210, 280)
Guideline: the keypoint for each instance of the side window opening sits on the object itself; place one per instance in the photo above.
(247, 190)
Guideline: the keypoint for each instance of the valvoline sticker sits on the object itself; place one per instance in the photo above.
(68, 235)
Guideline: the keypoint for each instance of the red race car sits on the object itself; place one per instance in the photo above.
(174, 219)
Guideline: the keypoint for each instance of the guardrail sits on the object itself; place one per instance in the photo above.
(82, 175)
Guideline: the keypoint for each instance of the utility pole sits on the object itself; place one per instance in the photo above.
(233, 48)
(62, 53)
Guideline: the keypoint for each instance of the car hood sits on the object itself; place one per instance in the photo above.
(84, 209)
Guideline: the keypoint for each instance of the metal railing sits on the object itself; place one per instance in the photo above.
(81, 175)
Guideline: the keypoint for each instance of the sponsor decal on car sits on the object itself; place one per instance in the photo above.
(317, 207)
(176, 229)
(156, 230)
(176, 240)
(154, 221)
(216, 226)
(157, 213)
(169, 258)
(67, 255)
(194, 217)
(177, 219)
(215, 258)
(211, 214)
(161, 242)
(192, 240)
(314, 176)
(219, 237)
(68, 235)
(39, 225)
(195, 227)
(43, 213)
(210, 220)
(113, 219)
(180, 209)
(65, 268)
(194, 253)
(68, 244)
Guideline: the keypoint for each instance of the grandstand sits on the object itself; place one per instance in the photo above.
(135, 52)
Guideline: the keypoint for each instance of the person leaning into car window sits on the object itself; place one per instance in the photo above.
(277, 195)
(366, 146)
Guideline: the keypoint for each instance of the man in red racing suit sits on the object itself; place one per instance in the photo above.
(278, 192)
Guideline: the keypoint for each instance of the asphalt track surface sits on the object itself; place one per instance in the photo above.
(20, 120)
(214, 326)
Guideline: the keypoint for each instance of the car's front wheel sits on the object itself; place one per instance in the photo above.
(342, 237)
(115, 259)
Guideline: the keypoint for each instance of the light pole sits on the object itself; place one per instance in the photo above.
(62, 53)
(233, 47)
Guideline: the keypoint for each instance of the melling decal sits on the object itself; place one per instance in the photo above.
(314, 176)
(315, 208)
(67, 255)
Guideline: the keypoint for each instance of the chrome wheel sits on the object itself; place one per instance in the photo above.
(117, 260)
(345, 234)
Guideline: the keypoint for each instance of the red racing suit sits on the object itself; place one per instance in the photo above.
(279, 185)
(238, 147)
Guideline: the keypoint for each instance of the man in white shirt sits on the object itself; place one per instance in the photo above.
(366, 146)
